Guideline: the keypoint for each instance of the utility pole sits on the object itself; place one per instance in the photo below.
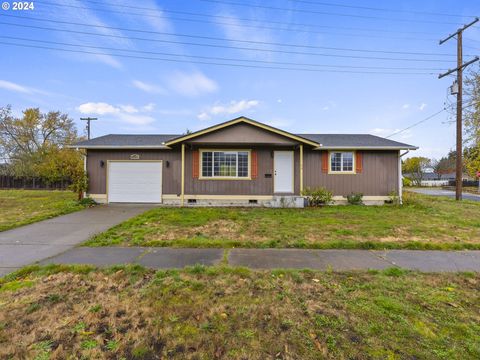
(459, 70)
(88, 119)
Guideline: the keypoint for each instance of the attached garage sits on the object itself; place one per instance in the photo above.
(134, 181)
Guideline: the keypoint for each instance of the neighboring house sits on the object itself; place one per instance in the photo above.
(431, 179)
(240, 161)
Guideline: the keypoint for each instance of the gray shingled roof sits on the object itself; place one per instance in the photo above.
(354, 140)
(326, 141)
(118, 140)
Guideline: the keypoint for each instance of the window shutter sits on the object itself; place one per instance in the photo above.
(196, 163)
(358, 162)
(254, 170)
(325, 161)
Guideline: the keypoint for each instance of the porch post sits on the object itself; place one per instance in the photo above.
(301, 168)
(182, 193)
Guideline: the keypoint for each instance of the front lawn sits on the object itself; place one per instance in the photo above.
(423, 222)
(21, 207)
(61, 312)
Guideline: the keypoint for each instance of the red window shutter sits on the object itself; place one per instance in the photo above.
(325, 161)
(196, 163)
(358, 162)
(253, 160)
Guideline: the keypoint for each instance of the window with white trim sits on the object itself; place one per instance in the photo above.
(341, 161)
(225, 164)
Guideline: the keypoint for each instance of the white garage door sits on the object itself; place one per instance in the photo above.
(135, 181)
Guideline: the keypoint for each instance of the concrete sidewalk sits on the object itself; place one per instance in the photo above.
(447, 193)
(44, 239)
(163, 258)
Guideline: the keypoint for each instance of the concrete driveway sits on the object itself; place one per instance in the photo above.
(441, 192)
(36, 242)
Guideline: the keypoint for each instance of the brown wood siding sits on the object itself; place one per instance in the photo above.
(259, 186)
(242, 134)
(171, 176)
(379, 174)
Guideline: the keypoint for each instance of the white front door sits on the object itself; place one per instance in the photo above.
(135, 181)
(283, 172)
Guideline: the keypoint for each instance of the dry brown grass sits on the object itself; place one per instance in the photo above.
(423, 222)
(225, 313)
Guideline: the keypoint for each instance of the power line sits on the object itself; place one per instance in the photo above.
(232, 40)
(308, 11)
(377, 9)
(218, 58)
(211, 63)
(191, 13)
(428, 118)
(416, 124)
(240, 25)
(227, 46)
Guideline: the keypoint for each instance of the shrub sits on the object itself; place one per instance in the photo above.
(355, 199)
(407, 181)
(318, 196)
(89, 202)
(393, 198)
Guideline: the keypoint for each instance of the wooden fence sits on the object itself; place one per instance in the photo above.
(11, 182)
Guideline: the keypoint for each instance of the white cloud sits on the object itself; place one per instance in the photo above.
(130, 109)
(192, 84)
(136, 119)
(148, 88)
(7, 85)
(422, 106)
(234, 29)
(128, 114)
(233, 107)
(99, 108)
(406, 106)
(149, 107)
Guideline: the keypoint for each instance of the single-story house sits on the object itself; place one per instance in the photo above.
(240, 162)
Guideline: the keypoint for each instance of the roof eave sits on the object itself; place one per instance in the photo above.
(236, 121)
(107, 147)
(366, 148)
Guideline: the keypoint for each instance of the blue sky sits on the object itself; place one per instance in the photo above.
(352, 93)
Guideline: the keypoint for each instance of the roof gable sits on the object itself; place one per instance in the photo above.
(242, 134)
(245, 121)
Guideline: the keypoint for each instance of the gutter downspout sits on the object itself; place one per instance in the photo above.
(301, 169)
(182, 193)
(400, 181)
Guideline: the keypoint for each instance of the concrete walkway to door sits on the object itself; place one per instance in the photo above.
(339, 260)
(41, 240)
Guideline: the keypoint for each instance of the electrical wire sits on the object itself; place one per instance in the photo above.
(219, 58)
(309, 11)
(428, 118)
(378, 9)
(227, 46)
(211, 63)
(232, 40)
(191, 13)
(240, 25)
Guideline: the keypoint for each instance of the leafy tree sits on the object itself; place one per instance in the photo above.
(446, 165)
(36, 145)
(471, 112)
(472, 160)
(415, 168)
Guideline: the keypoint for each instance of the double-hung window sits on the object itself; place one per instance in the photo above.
(225, 164)
(341, 161)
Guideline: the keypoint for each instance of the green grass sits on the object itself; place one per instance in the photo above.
(423, 222)
(21, 207)
(234, 313)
